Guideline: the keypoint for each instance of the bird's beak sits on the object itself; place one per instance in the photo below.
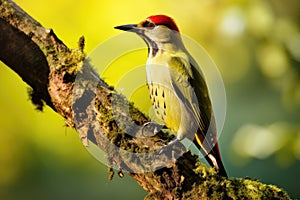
(128, 27)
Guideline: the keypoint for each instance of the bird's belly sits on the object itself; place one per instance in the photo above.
(168, 108)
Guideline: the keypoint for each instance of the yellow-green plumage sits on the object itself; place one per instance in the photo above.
(162, 100)
(180, 96)
(163, 81)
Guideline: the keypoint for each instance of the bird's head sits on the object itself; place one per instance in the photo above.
(156, 30)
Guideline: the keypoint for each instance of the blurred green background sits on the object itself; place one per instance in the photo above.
(255, 44)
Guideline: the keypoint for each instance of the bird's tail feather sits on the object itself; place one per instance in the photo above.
(213, 158)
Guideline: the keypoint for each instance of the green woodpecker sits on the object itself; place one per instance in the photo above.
(177, 87)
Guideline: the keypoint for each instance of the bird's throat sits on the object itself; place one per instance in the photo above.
(152, 46)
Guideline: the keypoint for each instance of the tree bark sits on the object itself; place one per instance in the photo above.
(64, 80)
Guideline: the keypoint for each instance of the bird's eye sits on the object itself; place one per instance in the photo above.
(148, 24)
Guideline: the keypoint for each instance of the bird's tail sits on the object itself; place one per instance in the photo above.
(212, 156)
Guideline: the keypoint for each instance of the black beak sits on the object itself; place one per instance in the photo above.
(128, 27)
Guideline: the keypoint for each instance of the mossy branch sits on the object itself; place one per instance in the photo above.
(51, 69)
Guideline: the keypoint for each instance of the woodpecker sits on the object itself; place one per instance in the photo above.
(177, 88)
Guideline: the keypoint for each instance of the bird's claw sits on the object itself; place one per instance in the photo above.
(153, 127)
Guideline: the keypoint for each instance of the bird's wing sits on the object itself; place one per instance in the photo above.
(191, 89)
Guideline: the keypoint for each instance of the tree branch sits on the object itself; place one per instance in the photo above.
(65, 81)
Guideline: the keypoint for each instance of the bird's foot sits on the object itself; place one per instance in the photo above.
(153, 128)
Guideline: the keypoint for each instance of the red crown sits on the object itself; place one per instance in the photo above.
(164, 20)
